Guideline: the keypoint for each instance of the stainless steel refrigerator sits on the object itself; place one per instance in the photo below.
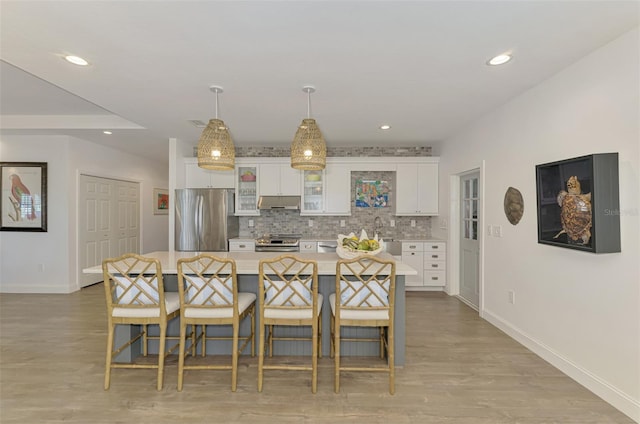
(205, 219)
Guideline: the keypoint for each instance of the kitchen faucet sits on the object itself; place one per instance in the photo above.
(377, 225)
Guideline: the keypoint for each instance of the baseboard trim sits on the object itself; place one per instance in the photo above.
(34, 289)
(610, 394)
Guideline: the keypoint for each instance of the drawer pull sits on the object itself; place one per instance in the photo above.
(434, 265)
(435, 246)
(434, 278)
(413, 246)
(434, 256)
(242, 246)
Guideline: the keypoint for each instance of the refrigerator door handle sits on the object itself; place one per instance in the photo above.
(198, 218)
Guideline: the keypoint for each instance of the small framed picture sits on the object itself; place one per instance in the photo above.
(24, 196)
(160, 201)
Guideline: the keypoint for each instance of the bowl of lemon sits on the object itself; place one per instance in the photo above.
(351, 246)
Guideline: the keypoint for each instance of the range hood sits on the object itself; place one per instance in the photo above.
(279, 202)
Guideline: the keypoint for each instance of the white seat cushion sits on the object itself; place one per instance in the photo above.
(171, 302)
(244, 301)
(363, 314)
(295, 294)
(206, 296)
(293, 313)
(353, 293)
(129, 293)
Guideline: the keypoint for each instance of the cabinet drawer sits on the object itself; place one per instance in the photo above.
(434, 256)
(408, 246)
(435, 265)
(435, 278)
(241, 246)
(435, 246)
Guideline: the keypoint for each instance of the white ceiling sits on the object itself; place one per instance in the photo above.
(418, 66)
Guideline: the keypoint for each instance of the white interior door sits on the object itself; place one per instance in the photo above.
(108, 222)
(469, 245)
(95, 225)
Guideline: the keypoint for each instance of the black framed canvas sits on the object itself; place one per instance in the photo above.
(578, 203)
(24, 196)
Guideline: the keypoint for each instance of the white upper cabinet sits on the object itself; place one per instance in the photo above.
(246, 180)
(196, 177)
(338, 189)
(313, 193)
(279, 179)
(417, 189)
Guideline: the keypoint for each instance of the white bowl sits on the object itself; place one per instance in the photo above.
(351, 254)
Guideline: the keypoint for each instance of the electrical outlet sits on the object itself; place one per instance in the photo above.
(251, 223)
(311, 223)
(40, 267)
(413, 222)
(343, 223)
(497, 230)
(512, 297)
(392, 223)
(489, 230)
(443, 224)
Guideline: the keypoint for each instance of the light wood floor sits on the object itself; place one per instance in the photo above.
(459, 369)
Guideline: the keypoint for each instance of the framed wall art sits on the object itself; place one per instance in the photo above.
(24, 196)
(372, 194)
(578, 203)
(160, 201)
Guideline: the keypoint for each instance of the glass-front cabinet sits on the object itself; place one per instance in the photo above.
(247, 190)
(313, 193)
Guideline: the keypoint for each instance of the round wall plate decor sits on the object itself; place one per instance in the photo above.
(513, 205)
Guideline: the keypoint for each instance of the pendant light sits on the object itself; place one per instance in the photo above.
(215, 147)
(308, 149)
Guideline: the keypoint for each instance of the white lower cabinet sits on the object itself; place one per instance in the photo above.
(428, 258)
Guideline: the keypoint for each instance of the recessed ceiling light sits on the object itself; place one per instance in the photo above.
(76, 60)
(385, 127)
(501, 59)
(107, 132)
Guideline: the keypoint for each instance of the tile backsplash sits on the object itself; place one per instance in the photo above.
(328, 227)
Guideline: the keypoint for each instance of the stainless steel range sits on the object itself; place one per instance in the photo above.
(278, 243)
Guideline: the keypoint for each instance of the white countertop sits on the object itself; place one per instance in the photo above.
(247, 262)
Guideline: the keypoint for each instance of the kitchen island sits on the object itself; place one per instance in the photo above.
(247, 271)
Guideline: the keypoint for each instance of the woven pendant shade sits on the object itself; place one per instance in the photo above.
(215, 147)
(308, 149)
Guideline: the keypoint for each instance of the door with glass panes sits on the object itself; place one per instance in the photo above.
(469, 245)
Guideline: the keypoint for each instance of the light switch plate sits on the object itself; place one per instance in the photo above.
(251, 223)
(392, 223)
(497, 230)
(489, 230)
(311, 223)
(343, 223)
(413, 222)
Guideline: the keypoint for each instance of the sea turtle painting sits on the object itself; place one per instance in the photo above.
(575, 213)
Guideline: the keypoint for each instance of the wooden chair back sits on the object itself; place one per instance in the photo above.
(288, 282)
(207, 281)
(133, 282)
(365, 283)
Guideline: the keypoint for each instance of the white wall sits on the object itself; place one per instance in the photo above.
(67, 158)
(578, 310)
